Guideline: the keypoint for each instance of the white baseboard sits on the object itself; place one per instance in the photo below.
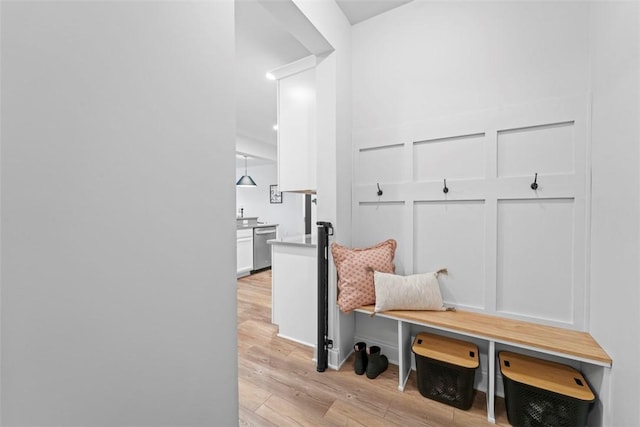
(296, 340)
(335, 361)
(243, 273)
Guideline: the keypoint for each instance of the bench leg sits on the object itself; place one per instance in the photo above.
(491, 389)
(404, 353)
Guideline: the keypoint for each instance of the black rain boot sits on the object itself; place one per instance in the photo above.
(360, 362)
(378, 363)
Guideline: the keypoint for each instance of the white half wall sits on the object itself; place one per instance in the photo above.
(118, 286)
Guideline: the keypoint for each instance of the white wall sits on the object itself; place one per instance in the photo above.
(255, 200)
(467, 73)
(254, 148)
(426, 61)
(333, 85)
(436, 59)
(118, 286)
(615, 254)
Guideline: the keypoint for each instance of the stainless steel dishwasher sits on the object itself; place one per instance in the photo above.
(261, 250)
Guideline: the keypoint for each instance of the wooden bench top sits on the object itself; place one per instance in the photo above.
(580, 345)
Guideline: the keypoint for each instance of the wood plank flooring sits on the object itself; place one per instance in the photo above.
(279, 385)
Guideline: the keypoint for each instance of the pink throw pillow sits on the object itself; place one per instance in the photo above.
(355, 272)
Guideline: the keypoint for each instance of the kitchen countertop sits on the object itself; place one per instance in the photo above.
(309, 240)
(242, 227)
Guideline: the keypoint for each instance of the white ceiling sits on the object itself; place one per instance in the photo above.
(360, 10)
(261, 45)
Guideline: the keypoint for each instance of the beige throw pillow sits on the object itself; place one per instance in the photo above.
(415, 292)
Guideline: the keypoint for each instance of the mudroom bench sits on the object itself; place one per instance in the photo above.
(569, 344)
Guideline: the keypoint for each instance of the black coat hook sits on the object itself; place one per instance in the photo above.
(534, 184)
(379, 192)
(445, 190)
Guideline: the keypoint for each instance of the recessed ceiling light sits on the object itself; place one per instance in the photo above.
(275, 127)
(270, 76)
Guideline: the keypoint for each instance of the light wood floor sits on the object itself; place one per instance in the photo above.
(279, 385)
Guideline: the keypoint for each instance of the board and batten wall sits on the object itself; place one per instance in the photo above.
(485, 95)
(118, 286)
(509, 249)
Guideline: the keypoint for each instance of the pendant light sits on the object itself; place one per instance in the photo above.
(245, 180)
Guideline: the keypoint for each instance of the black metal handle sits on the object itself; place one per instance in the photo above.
(534, 184)
(379, 192)
(445, 190)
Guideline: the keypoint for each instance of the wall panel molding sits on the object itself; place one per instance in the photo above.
(489, 160)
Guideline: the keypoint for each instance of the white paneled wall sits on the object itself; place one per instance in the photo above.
(433, 159)
(535, 259)
(510, 250)
(435, 225)
(370, 215)
(378, 164)
(549, 147)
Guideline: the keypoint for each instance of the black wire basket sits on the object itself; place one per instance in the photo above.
(443, 381)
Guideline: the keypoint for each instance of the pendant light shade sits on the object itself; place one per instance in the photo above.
(245, 180)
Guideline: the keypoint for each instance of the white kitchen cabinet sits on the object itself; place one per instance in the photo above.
(297, 132)
(244, 248)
